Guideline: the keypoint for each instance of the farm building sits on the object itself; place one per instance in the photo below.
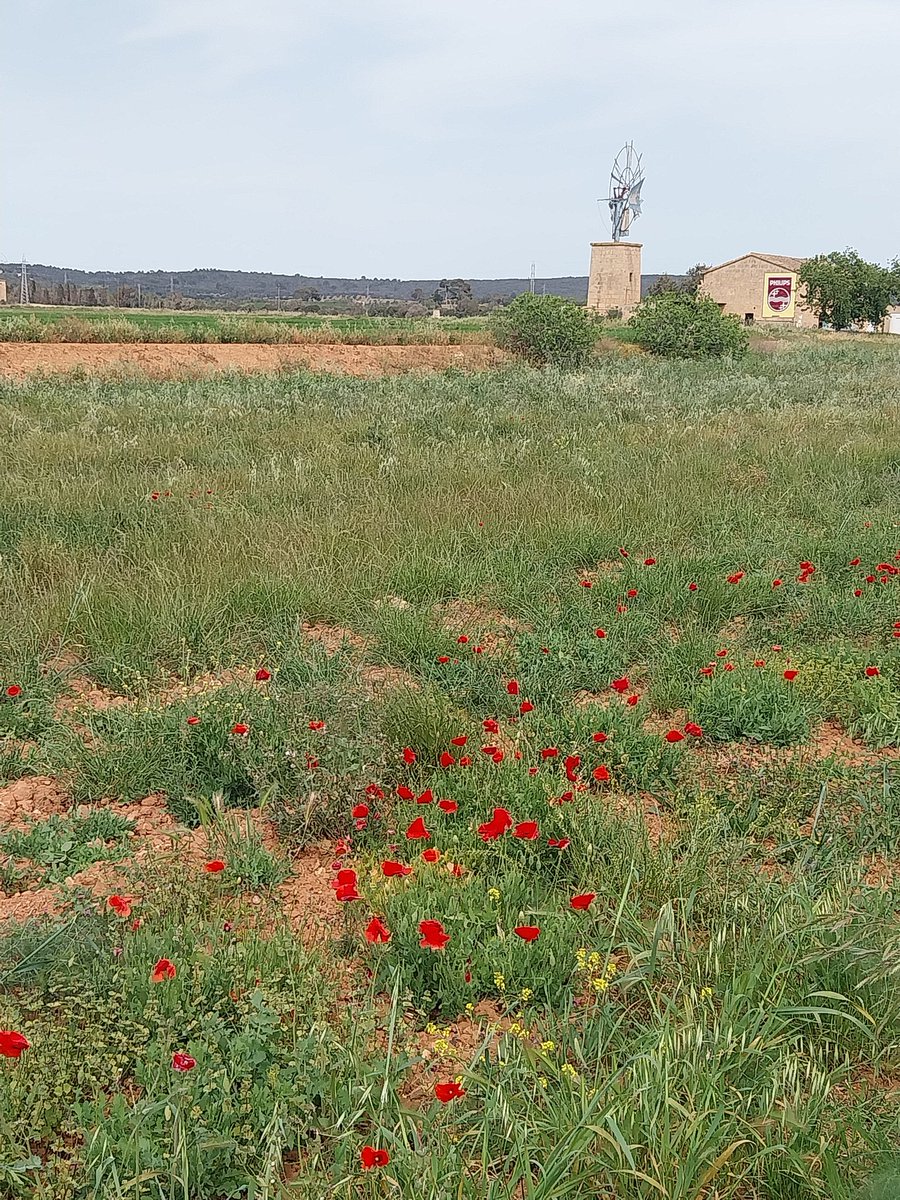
(760, 287)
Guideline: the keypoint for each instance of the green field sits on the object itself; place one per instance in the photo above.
(71, 323)
(330, 624)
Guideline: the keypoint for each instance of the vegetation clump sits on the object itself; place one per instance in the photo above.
(685, 325)
(547, 331)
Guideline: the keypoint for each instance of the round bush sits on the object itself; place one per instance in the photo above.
(682, 325)
(547, 331)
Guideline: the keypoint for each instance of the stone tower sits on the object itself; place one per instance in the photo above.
(615, 278)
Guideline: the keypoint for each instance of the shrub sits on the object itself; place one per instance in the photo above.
(682, 325)
(547, 331)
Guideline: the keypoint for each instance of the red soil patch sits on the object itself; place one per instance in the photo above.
(20, 359)
(307, 897)
(485, 626)
(28, 800)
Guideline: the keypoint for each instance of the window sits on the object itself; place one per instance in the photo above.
(748, 318)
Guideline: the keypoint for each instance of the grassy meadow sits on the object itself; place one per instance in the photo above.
(69, 323)
(528, 747)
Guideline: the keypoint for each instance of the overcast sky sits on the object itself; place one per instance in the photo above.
(413, 138)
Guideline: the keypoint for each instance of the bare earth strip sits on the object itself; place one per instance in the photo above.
(20, 359)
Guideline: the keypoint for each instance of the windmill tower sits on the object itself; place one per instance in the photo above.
(614, 283)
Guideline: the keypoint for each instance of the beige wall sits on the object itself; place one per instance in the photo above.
(738, 288)
(2, 291)
(615, 278)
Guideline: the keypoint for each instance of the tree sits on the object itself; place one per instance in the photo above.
(663, 283)
(682, 325)
(845, 290)
(694, 278)
(453, 293)
(547, 331)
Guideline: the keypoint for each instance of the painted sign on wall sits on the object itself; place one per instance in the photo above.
(779, 295)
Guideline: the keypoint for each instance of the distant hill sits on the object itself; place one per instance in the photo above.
(218, 286)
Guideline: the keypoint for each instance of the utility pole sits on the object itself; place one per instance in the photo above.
(23, 282)
(531, 289)
(139, 294)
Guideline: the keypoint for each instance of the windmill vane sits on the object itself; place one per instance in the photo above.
(625, 183)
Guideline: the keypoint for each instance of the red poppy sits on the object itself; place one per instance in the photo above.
(586, 583)
(513, 687)
(446, 1092)
(736, 577)
(490, 750)
(600, 736)
(431, 855)
(448, 806)
(121, 905)
(633, 700)
(497, 756)
(12, 1043)
(193, 720)
(854, 562)
(490, 725)
(433, 935)
(631, 593)
(389, 869)
(154, 495)
(871, 672)
(621, 608)
(693, 729)
(790, 674)
(262, 675)
(182, 1061)
(164, 969)
(621, 685)
(729, 666)
(857, 592)
(649, 562)
(459, 740)
(13, 690)
(526, 707)
(417, 830)
(409, 756)
(478, 649)
(374, 1158)
(377, 932)
(674, 736)
(601, 774)
(776, 649)
(346, 892)
(526, 830)
(692, 587)
(214, 867)
(359, 811)
(572, 763)
(870, 579)
(777, 583)
(463, 639)
(549, 752)
(759, 662)
(528, 933)
(558, 843)
(465, 761)
(582, 902)
(623, 551)
(707, 670)
(497, 826)
(443, 658)
(447, 759)
(136, 924)
(316, 725)
(240, 729)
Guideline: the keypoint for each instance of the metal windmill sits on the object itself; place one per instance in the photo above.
(625, 185)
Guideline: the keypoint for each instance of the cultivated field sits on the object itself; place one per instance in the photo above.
(72, 324)
(465, 785)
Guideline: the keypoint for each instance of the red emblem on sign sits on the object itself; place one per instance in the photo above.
(778, 296)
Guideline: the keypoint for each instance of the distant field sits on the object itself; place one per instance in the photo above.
(72, 324)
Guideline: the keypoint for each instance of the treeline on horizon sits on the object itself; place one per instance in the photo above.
(252, 290)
